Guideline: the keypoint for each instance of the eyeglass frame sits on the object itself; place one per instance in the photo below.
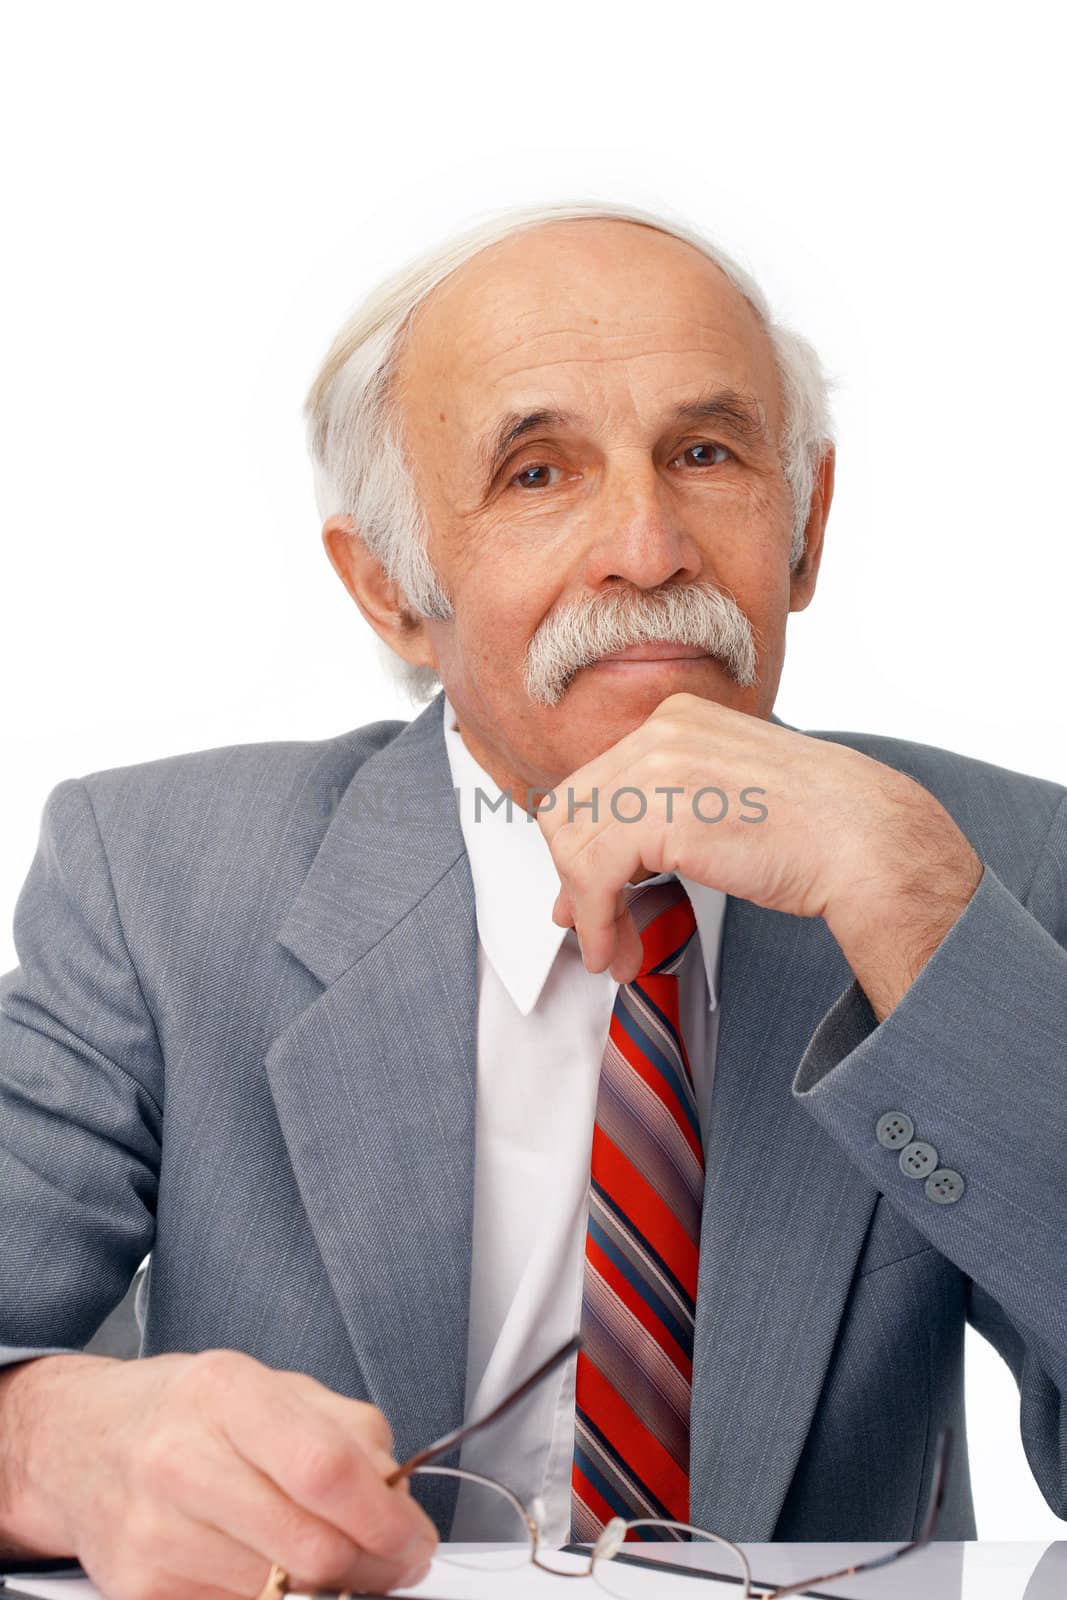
(613, 1535)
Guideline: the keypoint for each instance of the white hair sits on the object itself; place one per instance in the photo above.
(355, 430)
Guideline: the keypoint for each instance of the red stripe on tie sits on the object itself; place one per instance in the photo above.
(662, 990)
(652, 1218)
(666, 932)
(648, 1461)
(650, 1073)
(590, 1496)
(632, 1458)
(631, 1299)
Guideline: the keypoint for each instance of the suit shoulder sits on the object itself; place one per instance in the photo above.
(1004, 812)
(197, 814)
(271, 763)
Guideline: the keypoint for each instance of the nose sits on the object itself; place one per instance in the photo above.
(638, 539)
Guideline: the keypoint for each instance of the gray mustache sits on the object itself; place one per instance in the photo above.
(696, 614)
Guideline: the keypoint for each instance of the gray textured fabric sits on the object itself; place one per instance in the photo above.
(119, 1334)
(241, 1036)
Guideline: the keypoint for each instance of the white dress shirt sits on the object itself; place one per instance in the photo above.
(542, 1027)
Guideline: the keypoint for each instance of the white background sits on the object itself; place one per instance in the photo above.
(195, 197)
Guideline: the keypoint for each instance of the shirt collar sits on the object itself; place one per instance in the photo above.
(516, 882)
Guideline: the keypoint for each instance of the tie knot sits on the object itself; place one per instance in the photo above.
(666, 922)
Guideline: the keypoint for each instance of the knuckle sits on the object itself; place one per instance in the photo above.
(586, 869)
(579, 875)
(659, 757)
(219, 1366)
(663, 761)
(160, 1460)
(384, 1463)
(675, 714)
(667, 714)
(319, 1469)
(148, 1533)
(679, 704)
(206, 1374)
(376, 1426)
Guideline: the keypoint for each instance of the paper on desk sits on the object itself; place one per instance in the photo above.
(492, 1581)
(479, 1578)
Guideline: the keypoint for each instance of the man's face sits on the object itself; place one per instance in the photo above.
(612, 328)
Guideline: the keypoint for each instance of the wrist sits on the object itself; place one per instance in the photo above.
(893, 921)
(909, 861)
(38, 1424)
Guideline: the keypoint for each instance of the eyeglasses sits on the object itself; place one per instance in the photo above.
(516, 1536)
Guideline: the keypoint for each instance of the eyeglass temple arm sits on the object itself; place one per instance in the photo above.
(933, 1508)
(441, 1447)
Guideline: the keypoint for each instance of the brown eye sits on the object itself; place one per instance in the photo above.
(706, 445)
(525, 476)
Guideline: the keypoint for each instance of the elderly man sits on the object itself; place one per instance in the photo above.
(739, 1048)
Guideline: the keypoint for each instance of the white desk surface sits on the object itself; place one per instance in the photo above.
(945, 1570)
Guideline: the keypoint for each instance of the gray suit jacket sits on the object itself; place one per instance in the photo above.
(242, 1036)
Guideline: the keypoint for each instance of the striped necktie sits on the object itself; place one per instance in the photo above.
(631, 1454)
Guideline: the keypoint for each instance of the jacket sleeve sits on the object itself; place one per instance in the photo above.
(80, 1096)
(974, 1054)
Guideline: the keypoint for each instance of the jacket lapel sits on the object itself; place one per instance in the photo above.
(374, 1082)
(785, 1217)
(374, 1085)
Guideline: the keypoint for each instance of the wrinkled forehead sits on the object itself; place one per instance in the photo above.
(571, 308)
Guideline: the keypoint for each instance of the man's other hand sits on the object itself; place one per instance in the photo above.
(183, 1477)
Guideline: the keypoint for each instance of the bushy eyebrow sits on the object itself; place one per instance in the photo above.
(730, 410)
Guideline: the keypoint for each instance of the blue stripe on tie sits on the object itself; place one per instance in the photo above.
(662, 1063)
(629, 1227)
(683, 1339)
(597, 1479)
(675, 953)
(688, 1092)
(602, 1486)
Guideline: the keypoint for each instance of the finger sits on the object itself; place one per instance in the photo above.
(629, 952)
(194, 1551)
(595, 880)
(319, 1466)
(366, 1422)
(114, 1580)
(624, 951)
(360, 1421)
(574, 796)
(157, 1548)
(359, 1418)
(257, 1524)
(563, 911)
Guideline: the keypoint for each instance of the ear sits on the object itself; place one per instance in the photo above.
(380, 599)
(802, 580)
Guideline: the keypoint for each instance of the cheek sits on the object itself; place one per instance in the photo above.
(498, 613)
(765, 519)
(751, 550)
